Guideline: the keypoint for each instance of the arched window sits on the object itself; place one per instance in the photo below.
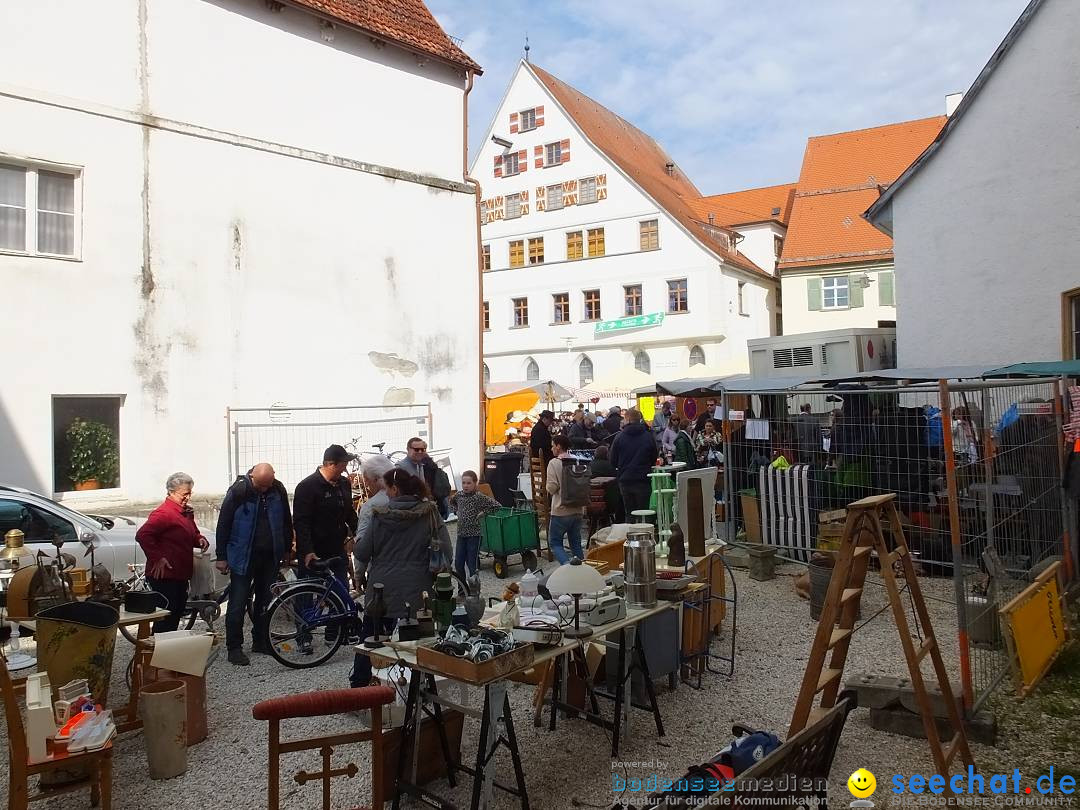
(642, 363)
(532, 371)
(487, 374)
(697, 356)
(585, 372)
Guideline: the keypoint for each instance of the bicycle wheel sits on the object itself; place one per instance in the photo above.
(305, 625)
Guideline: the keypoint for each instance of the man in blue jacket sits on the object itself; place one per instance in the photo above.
(254, 536)
(633, 452)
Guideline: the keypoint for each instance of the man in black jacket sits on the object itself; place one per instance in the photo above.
(540, 438)
(633, 452)
(323, 516)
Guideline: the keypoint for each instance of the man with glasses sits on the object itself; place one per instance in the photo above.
(417, 462)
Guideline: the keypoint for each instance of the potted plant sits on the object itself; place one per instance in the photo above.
(93, 454)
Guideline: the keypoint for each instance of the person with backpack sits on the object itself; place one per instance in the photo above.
(568, 483)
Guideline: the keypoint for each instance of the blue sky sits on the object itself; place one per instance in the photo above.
(732, 89)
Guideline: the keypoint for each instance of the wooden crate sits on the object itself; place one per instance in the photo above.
(460, 669)
(432, 766)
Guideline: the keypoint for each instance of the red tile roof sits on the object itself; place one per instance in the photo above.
(751, 205)
(840, 178)
(406, 22)
(645, 162)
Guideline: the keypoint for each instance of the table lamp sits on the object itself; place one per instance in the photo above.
(575, 579)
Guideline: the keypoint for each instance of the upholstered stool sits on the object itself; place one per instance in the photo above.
(319, 704)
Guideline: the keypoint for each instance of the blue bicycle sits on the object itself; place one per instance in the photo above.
(307, 621)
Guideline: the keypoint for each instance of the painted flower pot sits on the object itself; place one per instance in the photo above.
(77, 640)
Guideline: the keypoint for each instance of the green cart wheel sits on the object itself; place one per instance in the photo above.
(500, 567)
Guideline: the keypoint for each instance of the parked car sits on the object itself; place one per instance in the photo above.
(42, 519)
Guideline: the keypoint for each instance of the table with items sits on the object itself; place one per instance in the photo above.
(493, 676)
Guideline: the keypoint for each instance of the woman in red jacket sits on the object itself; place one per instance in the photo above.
(167, 538)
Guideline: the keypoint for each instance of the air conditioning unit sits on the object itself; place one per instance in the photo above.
(838, 351)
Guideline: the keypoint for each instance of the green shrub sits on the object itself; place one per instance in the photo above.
(93, 452)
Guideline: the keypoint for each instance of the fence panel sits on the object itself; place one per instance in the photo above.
(976, 467)
(293, 439)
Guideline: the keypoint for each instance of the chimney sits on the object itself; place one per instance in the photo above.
(712, 219)
(670, 168)
(952, 101)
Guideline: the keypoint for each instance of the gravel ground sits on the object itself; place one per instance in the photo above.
(573, 764)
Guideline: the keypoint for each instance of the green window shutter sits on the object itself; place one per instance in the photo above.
(855, 290)
(886, 291)
(813, 294)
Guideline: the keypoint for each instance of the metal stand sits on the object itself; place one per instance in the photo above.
(706, 609)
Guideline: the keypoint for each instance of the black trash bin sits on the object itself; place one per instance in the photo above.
(501, 472)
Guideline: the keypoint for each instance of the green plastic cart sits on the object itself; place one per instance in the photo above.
(506, 532)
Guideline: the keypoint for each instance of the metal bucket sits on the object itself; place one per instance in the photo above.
(639, 567)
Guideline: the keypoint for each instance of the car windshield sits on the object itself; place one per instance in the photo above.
(71, 514)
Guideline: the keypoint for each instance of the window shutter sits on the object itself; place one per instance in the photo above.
(538, 157)
(565, 148)
(886, 293)
(523, 159)
(813, 294)
(513, 123)
(539, 113)
(498, 165)
(855, 290)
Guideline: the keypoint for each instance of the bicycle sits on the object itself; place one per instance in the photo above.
(308, 620)
(356, 479)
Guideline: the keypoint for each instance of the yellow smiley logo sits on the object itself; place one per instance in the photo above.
(862, 784)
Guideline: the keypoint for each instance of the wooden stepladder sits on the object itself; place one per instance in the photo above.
(862, 535)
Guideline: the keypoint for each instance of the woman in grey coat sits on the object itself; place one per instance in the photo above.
(397, 552)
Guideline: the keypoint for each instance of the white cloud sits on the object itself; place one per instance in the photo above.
(733, 89)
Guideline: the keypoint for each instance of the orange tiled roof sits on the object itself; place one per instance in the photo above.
(407, 22)
(751, 205)
(644, 161)
(839, 180)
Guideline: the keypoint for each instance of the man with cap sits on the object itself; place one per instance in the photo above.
(323, 516)
(540, 439)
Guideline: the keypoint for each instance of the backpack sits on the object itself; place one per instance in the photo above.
(575, 487)
(440, 485)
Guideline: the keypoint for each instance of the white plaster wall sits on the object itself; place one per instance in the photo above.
(273, 278)
(758, 246)
(712, 321)
(798, 318)
(986, 233)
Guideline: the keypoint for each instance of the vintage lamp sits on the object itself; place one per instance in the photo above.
(576, 580)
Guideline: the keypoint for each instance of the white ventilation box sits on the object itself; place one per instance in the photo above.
(839, 351)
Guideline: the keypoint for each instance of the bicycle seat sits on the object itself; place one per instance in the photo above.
(379, 446)
(331, 564)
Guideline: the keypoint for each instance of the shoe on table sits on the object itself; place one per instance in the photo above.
(238, 657)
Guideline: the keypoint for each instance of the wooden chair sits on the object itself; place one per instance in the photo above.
(321, 704)
(97, 763)
(611, 553)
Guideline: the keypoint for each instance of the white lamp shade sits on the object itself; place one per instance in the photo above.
(574, 578)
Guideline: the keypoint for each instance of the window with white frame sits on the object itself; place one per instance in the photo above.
(834, 292)
(528, 119)
(586, 190)
(642, 362)
(554, 195)
(511, 164)
(513, 206)
(585, 372)
(553, 154)
(532, 370)
(697, 356)
(37, 210)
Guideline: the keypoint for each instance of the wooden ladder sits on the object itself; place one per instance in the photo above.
(863, 535)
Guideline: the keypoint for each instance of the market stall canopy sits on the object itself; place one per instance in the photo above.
(911, 374)
(1056, 368)
(689, 387)
(505, 398)
(620, 384)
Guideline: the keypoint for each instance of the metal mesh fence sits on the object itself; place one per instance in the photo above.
(976, 469)
(293, 439)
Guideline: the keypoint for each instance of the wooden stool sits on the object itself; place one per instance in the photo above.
(320, 704)
(20, 769)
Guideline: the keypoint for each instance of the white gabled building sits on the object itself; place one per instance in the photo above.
(213, 203)
(586, 224)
